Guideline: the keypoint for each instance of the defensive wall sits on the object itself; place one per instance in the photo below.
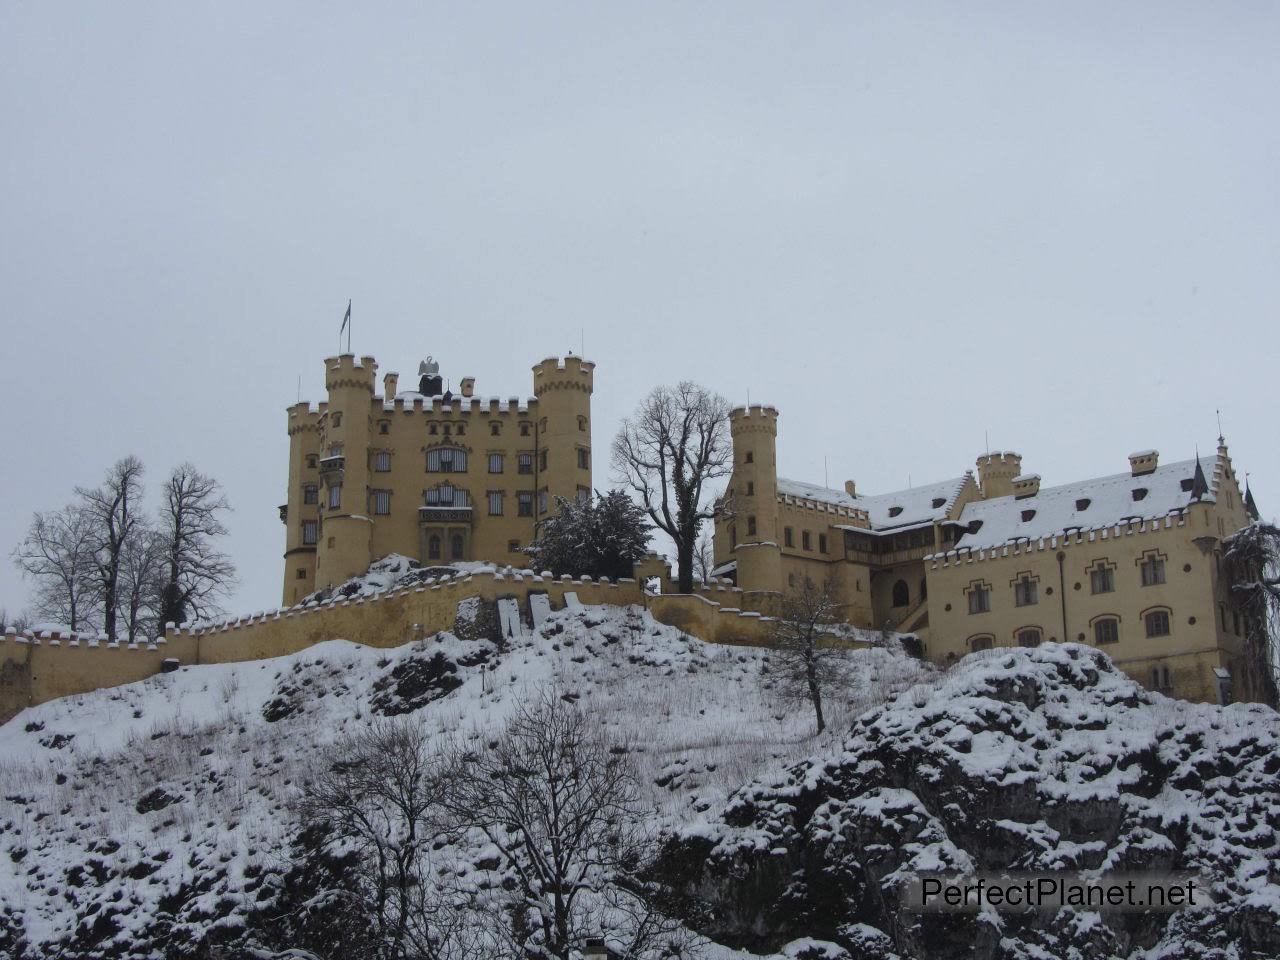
(36, 667)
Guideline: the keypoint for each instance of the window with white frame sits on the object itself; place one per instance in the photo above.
(310, 529)
(1152, 571)
(335, 496)
(495, 503)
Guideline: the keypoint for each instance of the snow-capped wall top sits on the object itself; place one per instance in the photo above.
(888, 511)
(1084, 505)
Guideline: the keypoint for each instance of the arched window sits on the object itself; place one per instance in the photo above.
(982, 642)
(1106, 630)
(901, 594)
(1029, 637)
(456, 547)
(1157, 623)
(433, 547)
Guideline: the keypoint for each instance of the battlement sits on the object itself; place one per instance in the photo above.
(1061, 541)
(485, 406)
(348, 370)
(563, 373)
(997, 459)
(755, 417)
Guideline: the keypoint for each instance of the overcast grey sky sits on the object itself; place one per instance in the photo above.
(902, 224)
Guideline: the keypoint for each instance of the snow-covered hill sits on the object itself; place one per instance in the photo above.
(153, 819)
(145, 816)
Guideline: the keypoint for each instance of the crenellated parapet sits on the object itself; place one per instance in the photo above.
(753, 419)
(563, 373)
(350, 371)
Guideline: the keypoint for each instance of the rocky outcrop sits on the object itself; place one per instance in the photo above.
(1042, 760)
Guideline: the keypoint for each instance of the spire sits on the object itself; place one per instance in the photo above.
(1248, 500)
(1199, 485)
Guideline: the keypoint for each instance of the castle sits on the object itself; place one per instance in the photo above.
(1131, 563)
(430, 474)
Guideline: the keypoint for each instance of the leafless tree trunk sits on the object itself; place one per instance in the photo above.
(1253, 571)
(140, 583)
(113, 510)
(380, 796)
(807, 669)
(703, 557)
(677, 441)
(196, 575)
(58, 554)
(561, 806)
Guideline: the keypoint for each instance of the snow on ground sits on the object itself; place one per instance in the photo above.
(120, 798)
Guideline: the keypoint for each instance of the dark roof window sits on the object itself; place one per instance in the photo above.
(1139, 493)
(1188, 483)
(1028, 515)
(975, 526)
(939, 502)
(1083, 503)
(894, 511)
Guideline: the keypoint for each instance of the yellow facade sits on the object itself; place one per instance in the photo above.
(428, 474)
(912, 560)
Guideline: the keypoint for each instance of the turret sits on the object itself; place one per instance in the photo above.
(996, 473)
(301, 519)
(754, 431)
(343, 549)
(563, 388)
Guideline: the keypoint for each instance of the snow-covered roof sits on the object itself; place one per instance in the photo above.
(888, 511)
(1085, 504)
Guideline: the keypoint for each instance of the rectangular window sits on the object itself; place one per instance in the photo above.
(542, 461)
(822, 543)
(751, 489)
(301, 573)
(584, 495)
(1102, 580)
(524, 463)
(524, 504)
(309, 530)
(495, 503)
(584, 459)
(542, 500)
(446, 460)
(513, 546)
(805, 541)
(310, 493)
(979, 600)
(1106, 631)
(381, 502)
(495, 463)
(788, 537)
(1152, 572)
(1025, 593)
(1157, 623)
(335, 496)
(751, 526)
(382, 462)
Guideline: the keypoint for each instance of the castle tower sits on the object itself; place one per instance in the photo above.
(344, 547)
(301, 512)
(563, 431)
(754, 431)
(996, 473)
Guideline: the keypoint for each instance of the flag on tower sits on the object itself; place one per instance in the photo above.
(346, 319)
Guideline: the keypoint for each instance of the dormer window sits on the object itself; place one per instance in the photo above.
(895, 511)
(1028, 515)
(1139, 493)
(939, 502)
(1188, 484)
(1083, 503)
(975, 526)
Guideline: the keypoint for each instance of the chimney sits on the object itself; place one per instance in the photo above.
(1026, 486)
(851, 488)
(389, 383)
(1144, 462)
(468, 386)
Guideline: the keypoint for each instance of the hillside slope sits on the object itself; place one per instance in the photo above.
(144, 818)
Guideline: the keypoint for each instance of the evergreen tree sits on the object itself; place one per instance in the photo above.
(603, 537)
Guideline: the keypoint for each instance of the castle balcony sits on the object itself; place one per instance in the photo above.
(331, 468)
(428, 516)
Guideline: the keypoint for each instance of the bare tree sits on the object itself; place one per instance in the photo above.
(379, 796)
(1253, 571)
(113, 510)
(703, 557)
(140, 583)
(58, 554)
(195, 574)
(561, 807)
(807, 667)
(677, 441)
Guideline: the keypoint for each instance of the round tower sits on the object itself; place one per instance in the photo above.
(301, 518)
(754, 431)
(996, 473)
(343, 550)
(562, 466)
